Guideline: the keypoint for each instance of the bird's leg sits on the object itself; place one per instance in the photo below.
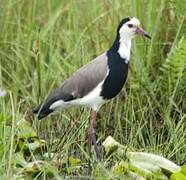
(92, 134)
(92, 138)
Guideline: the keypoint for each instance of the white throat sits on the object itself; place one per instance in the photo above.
(124, 48)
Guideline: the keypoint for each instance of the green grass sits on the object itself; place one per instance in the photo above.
(43, 42)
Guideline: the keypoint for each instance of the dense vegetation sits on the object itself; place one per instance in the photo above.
(43, 41)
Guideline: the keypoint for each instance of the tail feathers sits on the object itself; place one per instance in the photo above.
(42, 111)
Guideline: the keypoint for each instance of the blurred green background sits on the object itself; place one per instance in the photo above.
(42, 42)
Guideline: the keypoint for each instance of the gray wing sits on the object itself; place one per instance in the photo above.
(84, 80)
(79, 84)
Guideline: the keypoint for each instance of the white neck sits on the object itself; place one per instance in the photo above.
(124, 48)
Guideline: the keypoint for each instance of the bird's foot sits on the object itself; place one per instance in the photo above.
(92, 141)
(97, 149)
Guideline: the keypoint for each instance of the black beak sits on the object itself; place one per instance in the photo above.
(147, 35)
(140, 31)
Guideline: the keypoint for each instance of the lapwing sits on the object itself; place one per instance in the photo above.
(97, 82)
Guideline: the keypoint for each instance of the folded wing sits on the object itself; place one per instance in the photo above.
(77, 86)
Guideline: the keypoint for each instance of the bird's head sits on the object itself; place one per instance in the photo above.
(129, 27)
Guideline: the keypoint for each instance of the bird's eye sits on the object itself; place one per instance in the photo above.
(130, 25)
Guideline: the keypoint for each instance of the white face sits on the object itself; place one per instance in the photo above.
(128, 30)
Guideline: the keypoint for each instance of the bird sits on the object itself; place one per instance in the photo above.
(98, 81)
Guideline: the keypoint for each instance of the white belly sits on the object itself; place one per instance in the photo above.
(92, 100)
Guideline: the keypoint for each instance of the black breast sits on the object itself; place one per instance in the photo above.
(118, 71)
